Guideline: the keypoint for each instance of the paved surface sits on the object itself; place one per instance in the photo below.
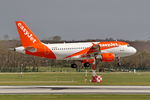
(74, 89)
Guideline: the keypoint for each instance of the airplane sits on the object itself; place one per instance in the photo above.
(87, 52)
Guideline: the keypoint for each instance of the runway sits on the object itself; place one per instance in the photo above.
(74, 89)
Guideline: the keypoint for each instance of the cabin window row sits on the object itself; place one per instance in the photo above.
(68, 48)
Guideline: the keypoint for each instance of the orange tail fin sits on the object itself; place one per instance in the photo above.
(33, 46)
(26, 35)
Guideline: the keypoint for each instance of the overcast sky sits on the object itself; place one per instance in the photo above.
(78, 19)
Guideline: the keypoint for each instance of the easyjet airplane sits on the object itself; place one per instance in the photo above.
(86, 52)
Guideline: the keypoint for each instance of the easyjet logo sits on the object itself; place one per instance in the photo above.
(26, 33)
(109, 45)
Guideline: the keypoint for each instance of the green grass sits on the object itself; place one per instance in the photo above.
(74, 97)
(73, 78)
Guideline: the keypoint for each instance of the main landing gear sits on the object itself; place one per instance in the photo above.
(93, 64)
(86, 65)
(74, 65)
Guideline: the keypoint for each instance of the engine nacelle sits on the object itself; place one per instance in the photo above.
(108, 57)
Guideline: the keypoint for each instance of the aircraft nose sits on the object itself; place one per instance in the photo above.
(133, 50)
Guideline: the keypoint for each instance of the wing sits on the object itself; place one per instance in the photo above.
(92, 51)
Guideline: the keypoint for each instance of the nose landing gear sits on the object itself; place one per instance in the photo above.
(118, 61)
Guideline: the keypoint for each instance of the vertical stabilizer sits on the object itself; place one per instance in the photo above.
(26, 35)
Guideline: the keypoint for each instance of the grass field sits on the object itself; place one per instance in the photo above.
(74, 97)
(74, 78)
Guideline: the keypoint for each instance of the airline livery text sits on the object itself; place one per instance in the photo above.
(26, 33)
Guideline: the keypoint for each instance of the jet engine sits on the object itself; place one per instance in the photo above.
(108, 57)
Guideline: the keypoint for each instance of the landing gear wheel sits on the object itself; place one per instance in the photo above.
(118, 61)
(74, 66)
(86, 65)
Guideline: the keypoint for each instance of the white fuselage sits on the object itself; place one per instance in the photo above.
(62, 50)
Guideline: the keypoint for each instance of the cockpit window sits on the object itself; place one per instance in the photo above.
(128, 46)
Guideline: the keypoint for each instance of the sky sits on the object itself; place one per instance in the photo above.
(78, 19)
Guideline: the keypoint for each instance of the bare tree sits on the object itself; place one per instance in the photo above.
(56, 38)
(6, 37)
